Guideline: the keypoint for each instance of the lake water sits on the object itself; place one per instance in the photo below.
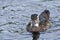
(15, 14)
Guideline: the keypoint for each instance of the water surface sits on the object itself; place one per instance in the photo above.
(15, 14)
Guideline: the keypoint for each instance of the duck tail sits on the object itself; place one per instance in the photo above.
(35, 35)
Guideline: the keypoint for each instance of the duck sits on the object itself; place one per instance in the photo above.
(39, 23)
(33, 26)
(44, 20)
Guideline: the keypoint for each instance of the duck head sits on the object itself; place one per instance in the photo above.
(34, 17)
(45, 15)
(34, 20)
(47, 12)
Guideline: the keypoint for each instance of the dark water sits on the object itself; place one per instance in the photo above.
(15, 14)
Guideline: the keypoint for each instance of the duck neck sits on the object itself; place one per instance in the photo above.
(35, 23)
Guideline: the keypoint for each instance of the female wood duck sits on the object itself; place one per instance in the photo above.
(39, 23)
(33, 26)
(44, 19)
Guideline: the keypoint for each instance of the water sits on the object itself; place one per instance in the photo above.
(15, 14)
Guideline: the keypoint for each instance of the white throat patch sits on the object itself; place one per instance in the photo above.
(36, 24)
